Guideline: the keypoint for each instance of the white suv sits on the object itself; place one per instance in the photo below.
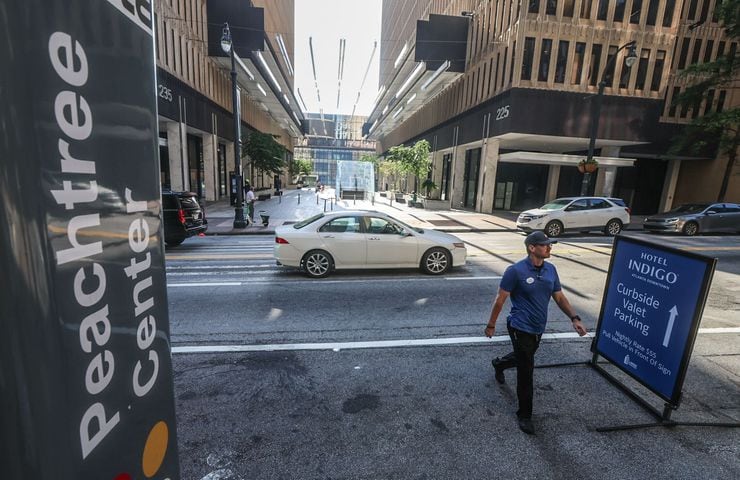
(582, 214)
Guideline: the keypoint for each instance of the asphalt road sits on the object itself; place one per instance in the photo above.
(338, 403)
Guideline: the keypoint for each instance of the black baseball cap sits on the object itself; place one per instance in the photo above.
(538, 238)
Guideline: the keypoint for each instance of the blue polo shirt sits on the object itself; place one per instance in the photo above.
(531, 289)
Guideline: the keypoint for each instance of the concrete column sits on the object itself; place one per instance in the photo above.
(553, 179)
(458, 176)
(669, 185)
(210, 165)
(488, 175)
(177, 147)
(606, 176)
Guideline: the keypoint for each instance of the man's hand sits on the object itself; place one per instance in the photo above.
(578, 326)
(489, 331)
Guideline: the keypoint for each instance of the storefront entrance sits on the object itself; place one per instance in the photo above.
(519, 186)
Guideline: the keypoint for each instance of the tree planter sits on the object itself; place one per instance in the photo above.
(587, 167)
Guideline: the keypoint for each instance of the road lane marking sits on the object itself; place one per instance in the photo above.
(323, 282)
(426, 342)
(219, 257)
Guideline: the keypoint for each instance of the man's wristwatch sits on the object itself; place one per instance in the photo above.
(574, 318)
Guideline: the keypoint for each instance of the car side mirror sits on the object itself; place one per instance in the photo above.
(569, 209)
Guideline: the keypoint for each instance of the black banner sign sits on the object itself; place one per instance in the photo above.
(85, 350)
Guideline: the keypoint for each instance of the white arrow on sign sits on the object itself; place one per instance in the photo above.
(669, 328)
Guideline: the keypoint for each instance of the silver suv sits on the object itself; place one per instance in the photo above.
(582, 214)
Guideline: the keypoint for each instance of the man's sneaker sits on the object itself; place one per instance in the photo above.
(499, 372)
(526, 425)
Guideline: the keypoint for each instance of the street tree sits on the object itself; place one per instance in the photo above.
(414, 160)
(719, 127)
(265, 152)
(302, 166)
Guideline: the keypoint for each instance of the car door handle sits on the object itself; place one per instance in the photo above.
(328, 236)
(374, 238)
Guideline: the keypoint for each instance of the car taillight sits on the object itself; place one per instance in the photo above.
(181, 216)
(280, 240)
(629, 210)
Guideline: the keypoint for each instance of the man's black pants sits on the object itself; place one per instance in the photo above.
(525, 345)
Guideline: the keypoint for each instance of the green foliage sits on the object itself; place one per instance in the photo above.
(266, 154)
(428, 185)
(302, 166)
(370, 159)
(412, 160)
(720, 129)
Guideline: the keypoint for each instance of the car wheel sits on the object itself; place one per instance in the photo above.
(613, 227)
(691, 229)
(554, 229)
(436, 261)
(317, 263)
(174, 243)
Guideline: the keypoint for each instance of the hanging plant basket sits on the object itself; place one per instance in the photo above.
(588, 167)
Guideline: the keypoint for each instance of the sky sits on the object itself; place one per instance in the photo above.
(328, 21)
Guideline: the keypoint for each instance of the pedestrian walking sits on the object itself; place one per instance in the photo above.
(530, 283)
(250, 203)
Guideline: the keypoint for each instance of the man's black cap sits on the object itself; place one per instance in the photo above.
(538, 238)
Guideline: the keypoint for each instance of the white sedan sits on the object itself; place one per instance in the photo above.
(364, 239)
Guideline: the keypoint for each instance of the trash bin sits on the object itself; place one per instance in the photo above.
(265, 217)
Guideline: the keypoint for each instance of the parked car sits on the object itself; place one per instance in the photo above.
(364, 239)
(693, 218)
(182, 215)
(582, 214)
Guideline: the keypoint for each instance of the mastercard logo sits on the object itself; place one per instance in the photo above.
(155, 449)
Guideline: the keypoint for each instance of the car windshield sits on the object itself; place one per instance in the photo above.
(556, 204)
(307, 221)
(690, 208)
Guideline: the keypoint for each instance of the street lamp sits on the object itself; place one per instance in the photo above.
(227, 47)
(596, 106)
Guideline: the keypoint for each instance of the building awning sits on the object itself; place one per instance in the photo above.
(562, 159)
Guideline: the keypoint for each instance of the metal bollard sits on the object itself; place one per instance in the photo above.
(280, 198)
(317, 199)
(334, 200)
(372, 199)
(299, 199)
(324, 204)
(354, 199)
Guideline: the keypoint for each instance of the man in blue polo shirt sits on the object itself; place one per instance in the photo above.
(530, 283)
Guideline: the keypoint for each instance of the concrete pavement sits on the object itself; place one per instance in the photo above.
(295, 205)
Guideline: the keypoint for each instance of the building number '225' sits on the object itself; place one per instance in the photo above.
(502, 112)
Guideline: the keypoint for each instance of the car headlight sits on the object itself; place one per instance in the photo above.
(535, 217)
(671, 220)
(458, 245)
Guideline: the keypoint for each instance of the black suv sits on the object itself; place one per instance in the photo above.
(182, 216)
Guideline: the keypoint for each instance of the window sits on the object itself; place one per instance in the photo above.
(577, 70)
(503, 67)
(581, 204)
(341, 225)
(670, 5)
(619, 10)
(652, 14)
(562, 61)
(720, 49)
(381, 226)
(513, 57)
(611, 63)
(624, 77)
(527, 58)
(674, 97)
(642, 69)
(551, 7)
(697, 50)
(704, 11)
(595, 64)
(568, 8)
(599, 203)
(586, 9)
(721, 101)
(534, 6)
(684, 53)
(603, 8)
(708, 51)
(692, 10)
(545, 52)
(710, 101)
(715, 13)
(636, 11)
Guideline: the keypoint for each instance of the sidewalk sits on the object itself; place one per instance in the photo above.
(295, 205)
